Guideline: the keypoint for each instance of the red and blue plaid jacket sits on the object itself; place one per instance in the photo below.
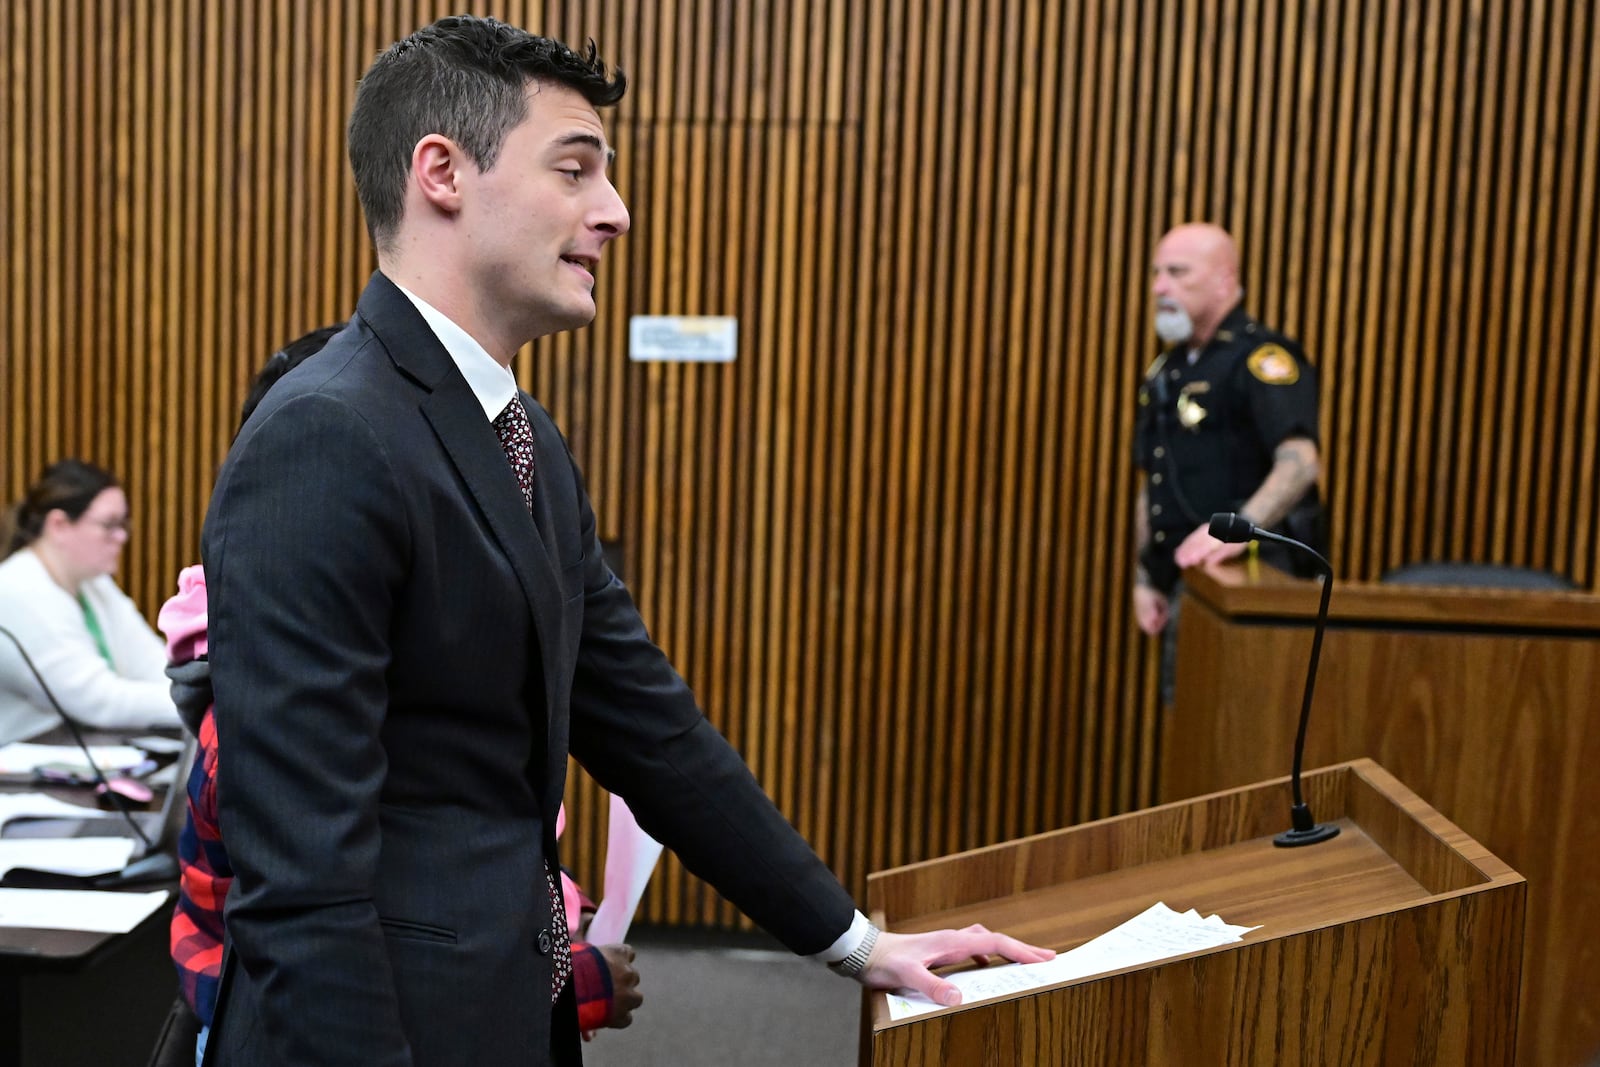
(204, 878)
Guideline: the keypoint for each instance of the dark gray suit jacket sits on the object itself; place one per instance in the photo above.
(402, 659)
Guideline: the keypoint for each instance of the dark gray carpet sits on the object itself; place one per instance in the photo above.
(716, 999)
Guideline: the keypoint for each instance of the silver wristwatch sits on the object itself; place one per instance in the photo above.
(852, 965)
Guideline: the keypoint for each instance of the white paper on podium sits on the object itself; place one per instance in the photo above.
(1157, 933)
(631, 856)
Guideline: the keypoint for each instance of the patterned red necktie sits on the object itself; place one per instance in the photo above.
(516, 437)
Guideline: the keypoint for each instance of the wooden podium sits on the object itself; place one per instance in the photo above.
(1482, 700)
(1399, 941)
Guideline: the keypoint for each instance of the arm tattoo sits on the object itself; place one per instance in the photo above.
(1295, 467)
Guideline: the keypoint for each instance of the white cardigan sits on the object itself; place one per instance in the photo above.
(49, 623)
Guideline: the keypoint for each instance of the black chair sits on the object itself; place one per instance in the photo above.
(1479, 576)
(175, 1046)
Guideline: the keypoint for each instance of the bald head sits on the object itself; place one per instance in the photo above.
(1195, 281)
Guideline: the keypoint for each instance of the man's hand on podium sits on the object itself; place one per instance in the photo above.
(902, 961)
(1200, 548)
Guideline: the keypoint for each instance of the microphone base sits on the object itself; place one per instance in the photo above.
(1315, 835)
(1307, 831)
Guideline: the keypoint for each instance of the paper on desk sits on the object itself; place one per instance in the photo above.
(1154, 934)
(40, 805)
(21, 757)
(66, 855)
(74, 909)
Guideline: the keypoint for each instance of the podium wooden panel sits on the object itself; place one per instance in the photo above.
(1483, 701)
(1399, 941)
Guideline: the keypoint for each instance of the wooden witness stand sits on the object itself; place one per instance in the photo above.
(1399, 941)
(1482, 700)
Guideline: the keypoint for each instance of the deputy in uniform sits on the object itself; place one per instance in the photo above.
(1227, 422)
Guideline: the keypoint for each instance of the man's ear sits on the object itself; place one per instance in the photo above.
(436, 164)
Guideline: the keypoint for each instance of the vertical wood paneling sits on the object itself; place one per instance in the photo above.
(1586, 295)
(890, 545)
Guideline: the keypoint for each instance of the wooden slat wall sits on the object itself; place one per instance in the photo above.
(890, 545)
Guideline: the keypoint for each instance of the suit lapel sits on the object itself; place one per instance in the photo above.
(544, 477)
(471, 443)
(474, 450)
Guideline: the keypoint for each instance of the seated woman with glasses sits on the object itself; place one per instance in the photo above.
(104, 664)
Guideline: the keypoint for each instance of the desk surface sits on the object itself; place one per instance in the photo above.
(1246, 591)
(1348, 878)
(33, 949)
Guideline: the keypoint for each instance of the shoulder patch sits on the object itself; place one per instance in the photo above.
(1272, 363)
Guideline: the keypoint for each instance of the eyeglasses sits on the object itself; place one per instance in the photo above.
(110, 526)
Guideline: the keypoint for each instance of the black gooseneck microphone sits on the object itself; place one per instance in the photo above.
(117, 800)
(1236, 529)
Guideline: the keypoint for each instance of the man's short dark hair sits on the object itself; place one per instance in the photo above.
(465, 78)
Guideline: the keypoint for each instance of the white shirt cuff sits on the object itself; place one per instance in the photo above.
(847, 942)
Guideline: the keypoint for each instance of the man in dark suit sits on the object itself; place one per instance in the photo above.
(412, 623)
